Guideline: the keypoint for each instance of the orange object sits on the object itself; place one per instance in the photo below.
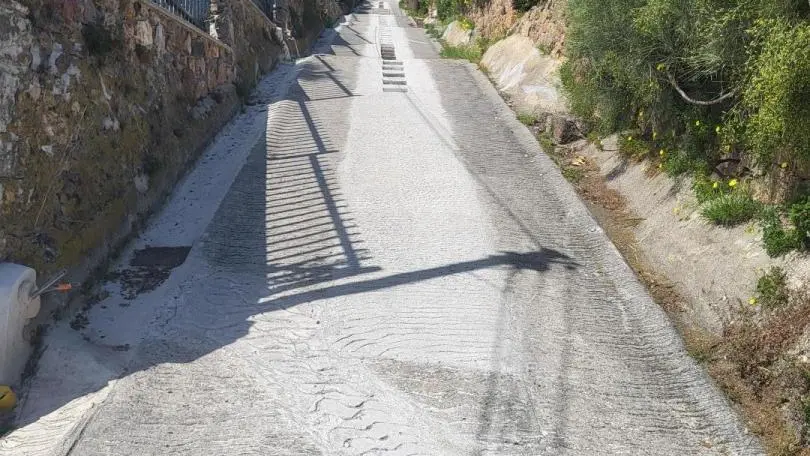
(64, 287)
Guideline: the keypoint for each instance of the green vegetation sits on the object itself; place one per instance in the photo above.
(774, 110)
(679, 162)
(806, 410)
(633, 148)
(786, 228)
(466, 23)
(527, 119)
(547, 145)
(572, 174)
(772, 288)
(432, 31)
(740, 69)
(421, 11)
(776, 238)
(731, 209)
(700, 82)
(472, 53)
(717, 76)
(699, 352)
(570, 166)
(707, 189)
(449, 10)
(799, 215)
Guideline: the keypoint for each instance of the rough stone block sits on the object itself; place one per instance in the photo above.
(211, 50)
(160, 39)
(564, 129)
(144, 34)
(198, 47)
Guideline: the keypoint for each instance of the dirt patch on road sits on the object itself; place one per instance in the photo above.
(149, 268)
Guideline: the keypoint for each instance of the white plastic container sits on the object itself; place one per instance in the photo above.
(17, 283)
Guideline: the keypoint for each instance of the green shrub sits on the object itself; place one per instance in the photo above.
(749, 60)
(605, 109)
(772, 288)
(731, 209)
(800, 217)
(679, 162)
(447, 10)
(420, 12)
(777, 239)
(634, 148)
(484, 43)
(707, 189)
(777, 95)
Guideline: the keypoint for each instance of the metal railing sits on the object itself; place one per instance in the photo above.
(267, 7)
(193, 11)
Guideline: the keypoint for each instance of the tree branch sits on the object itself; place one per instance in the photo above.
(689, 99)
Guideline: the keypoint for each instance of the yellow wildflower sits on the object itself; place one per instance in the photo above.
(661, 67)
(717, 129)
(784, 165)
(661, 152)
(732, 183)
(697, 123)
(655, 135)
(715, 185)
(752, 301)
(629, 138)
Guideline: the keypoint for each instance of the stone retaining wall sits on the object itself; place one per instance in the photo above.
(103, 106)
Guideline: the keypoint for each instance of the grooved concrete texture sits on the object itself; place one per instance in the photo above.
(388, 273)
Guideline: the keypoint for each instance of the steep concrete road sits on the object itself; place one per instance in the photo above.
(382, 262)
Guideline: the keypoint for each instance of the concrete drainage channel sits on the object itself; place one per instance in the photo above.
(393, 71)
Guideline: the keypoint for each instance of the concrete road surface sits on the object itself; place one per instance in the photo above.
(374, 258)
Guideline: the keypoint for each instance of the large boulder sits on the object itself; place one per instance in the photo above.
(531, 81)
(456, 35)
(563, 129)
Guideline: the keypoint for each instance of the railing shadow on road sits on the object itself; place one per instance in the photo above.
(282, 234)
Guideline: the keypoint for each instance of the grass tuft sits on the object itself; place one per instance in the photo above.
(471, 53)
(776, 238)
(731, 209)
(573, 174)
(772, 288)
(527, 119)
(633, 148)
